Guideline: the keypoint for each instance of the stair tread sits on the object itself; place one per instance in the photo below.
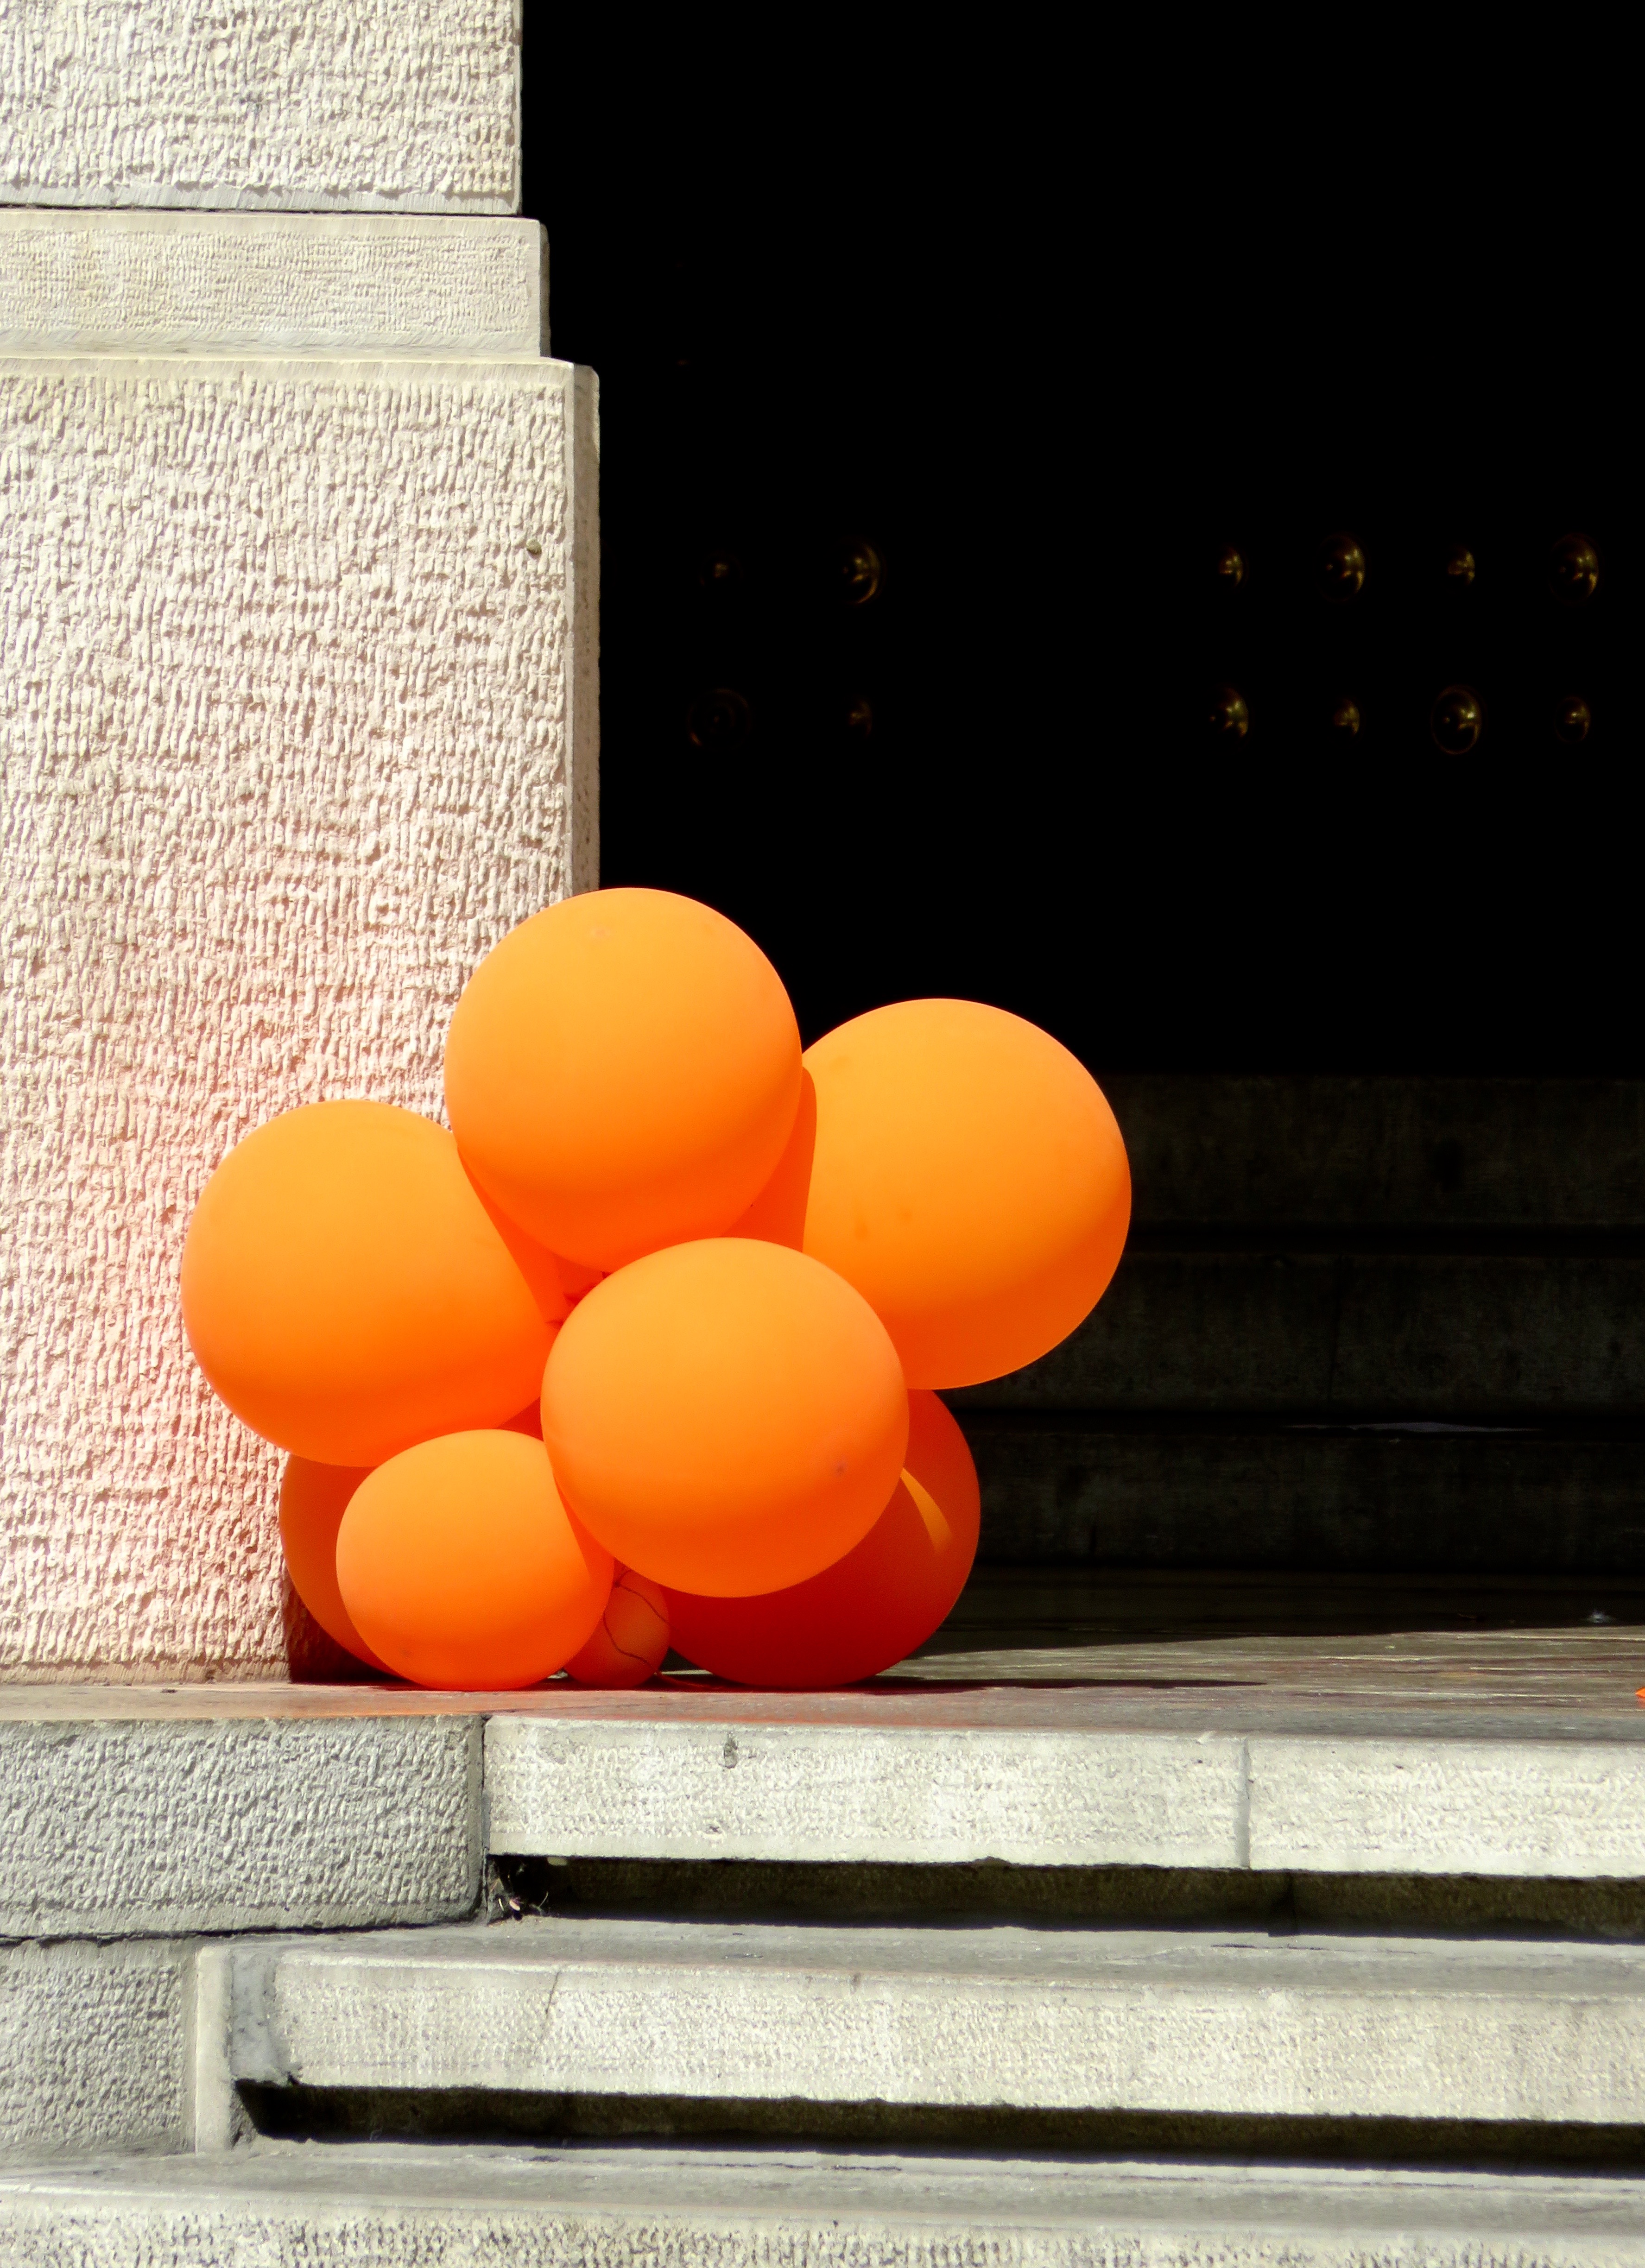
(1207, 2023)
(1251, 1959)
(384, 2196)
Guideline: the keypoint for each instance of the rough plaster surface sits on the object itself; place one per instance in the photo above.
(306, 105)
(714, 2208)
(1223, 2022)
(93, 2047)
(162, 282)
(299, 716)
(130, 1829)
(800, 1792)
(1506, 1807)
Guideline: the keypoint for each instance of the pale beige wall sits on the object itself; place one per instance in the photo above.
(298, 714)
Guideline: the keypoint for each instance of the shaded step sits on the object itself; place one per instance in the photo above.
(541, 2208)
(1503, 1336)
(1222, 2025)
(1384, 1151)
(1232, 1493)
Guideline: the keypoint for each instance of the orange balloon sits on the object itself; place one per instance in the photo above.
(556, 1283)
(969, 1178)
(312, 1500)
(461, 1566)
(622, 1073)
(346, 1294)
(632, 1638)
(777, 1214)
(725, 1416)
(871, 1609)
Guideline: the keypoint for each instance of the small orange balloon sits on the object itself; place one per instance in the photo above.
(969, 1178)
(873, 1607)
(312, 1500)
(461, 1565)
(632, 1638)
(346, 1294)
(622, 1073)
(725, 1416)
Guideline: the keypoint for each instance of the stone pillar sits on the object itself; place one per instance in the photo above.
(298, 705)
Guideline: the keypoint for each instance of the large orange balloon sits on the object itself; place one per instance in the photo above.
(346, 1295)
(628, 1645)
(622, 1073)
(312, 1500)
(871, 1609)
(726, 1415)
(462, 1567)
(969, 1178)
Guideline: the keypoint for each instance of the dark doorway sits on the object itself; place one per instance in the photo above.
(1190, 599)
(924, 654)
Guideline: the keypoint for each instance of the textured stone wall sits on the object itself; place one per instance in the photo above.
(299, 707)
(298, 698)
(145, 283)
(95, 2048)
(408, 106)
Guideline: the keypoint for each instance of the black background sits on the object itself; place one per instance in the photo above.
(1047, 370)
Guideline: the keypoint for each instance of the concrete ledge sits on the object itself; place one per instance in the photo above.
(839, 1791)
(1212, 2024)
(94, 2048)
(1501, 1807)
(892, 1793)
(408, 2208)
(178, 283)
(306, 1808)
(131, 1829)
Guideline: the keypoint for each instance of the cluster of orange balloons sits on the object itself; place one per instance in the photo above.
(646, 1349)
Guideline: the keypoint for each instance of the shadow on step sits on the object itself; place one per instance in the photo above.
(1073, 1898)
(1028, 1608)
(470, 2116)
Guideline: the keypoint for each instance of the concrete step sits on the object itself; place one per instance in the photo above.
(1193, 2025)
(1516, 1756)
(713, 2208)
(1058, 1779)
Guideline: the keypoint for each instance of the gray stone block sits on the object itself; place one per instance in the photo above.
(301, 105)
(158, 1828)
(848, 1793)
(1224, 2023)
(95, 2045)
(714, 2208)
(177, 282)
